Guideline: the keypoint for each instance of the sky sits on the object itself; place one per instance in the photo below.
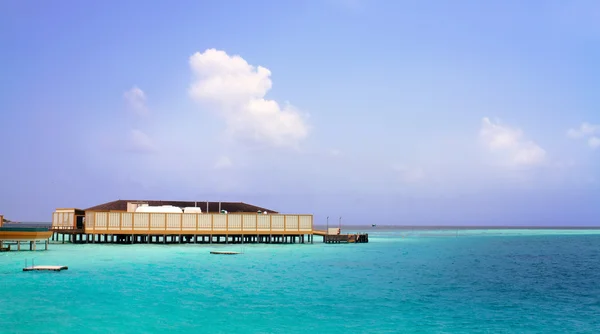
(388, 112)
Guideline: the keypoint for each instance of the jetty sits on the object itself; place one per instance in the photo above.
(333, 235)
(345, 238)
(45, 268)
(225, 252)
(179, 222)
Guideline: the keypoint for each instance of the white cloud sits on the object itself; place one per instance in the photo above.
(223, 162)
(335, 152)
(585, 129)
(236, 91)
(510, 143)
(594, 142)
(140, 142)
(136, 100)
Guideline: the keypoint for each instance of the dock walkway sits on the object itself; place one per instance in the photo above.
(345, 238)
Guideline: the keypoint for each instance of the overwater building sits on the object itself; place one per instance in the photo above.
(150, 221)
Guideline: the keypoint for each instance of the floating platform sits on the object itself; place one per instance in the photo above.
(45, 268)
(225, 252)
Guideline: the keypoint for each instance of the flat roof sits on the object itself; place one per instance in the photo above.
(121, 205)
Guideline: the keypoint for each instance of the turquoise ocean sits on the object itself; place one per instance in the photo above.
(402, 281)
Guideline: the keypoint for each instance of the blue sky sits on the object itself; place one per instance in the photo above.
(407, 112)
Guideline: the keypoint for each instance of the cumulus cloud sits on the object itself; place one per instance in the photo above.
(591, 131)
(236, 91)
(510, 143)
(585, 129)
(140, 142)
(594, 142)
(136, 100)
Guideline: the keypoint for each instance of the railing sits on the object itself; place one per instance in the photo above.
(25, 228)
(193, 223)
(70, 228)
(63, 220)
(27, 225)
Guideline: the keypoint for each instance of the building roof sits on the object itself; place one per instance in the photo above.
(121, 205)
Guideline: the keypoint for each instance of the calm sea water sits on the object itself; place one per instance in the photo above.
(490, 281)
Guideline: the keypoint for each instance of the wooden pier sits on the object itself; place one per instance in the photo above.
(334, 236)
(45, 268)
(345, 238)
(123, 225)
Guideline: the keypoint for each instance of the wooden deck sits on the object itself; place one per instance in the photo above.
(79, 236)
(345, 238)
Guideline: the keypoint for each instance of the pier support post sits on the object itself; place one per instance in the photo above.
(46, 245)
